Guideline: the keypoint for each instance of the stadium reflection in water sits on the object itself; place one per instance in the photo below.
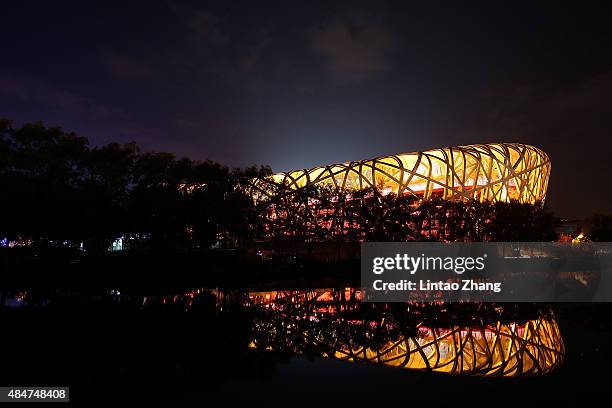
(508, 340)
(481, 339)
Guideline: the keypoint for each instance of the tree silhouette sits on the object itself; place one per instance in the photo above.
(58, 189)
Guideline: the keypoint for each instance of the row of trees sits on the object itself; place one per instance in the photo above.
(321, 213)
(56, 187)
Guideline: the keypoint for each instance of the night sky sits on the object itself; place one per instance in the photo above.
(299, 84)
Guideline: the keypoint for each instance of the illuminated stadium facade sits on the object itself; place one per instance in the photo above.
(484, 172)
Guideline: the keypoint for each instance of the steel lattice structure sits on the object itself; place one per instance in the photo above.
(485, 172)
(303, 323)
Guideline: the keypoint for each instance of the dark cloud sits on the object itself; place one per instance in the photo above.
(355, 44)
(237, 57)
(127, 67)
(572, 122)
(99, 121)
(11, 87)
(206, 27)
(302, 88)
(57, 99)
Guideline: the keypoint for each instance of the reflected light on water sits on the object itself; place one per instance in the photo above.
(313, 322)
(482, 339)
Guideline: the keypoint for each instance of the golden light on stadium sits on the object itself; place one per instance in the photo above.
(485, 172)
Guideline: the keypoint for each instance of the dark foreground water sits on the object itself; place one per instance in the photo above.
(207, 344)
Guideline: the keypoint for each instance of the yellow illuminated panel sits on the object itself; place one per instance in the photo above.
(485, 172)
